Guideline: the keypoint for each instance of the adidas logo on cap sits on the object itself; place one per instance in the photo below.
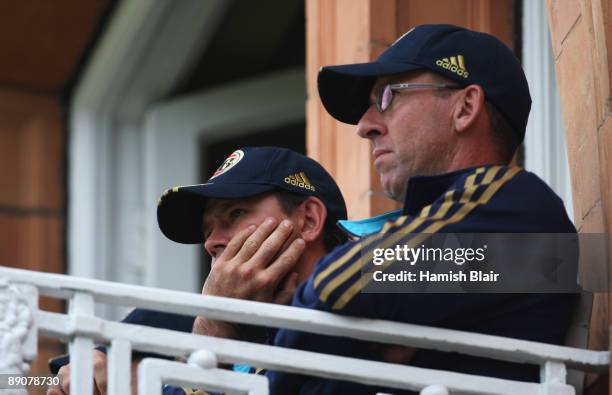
(299, 180)
(454, 64)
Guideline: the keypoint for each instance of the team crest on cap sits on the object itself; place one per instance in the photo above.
(228, 163)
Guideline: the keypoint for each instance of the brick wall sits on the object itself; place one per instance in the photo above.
(581, 32)
(32, 191)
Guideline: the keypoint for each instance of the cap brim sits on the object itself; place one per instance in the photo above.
(179, 213)
(345, 89)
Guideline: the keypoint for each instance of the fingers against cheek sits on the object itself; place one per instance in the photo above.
(236, 243)
(252, 245)
(287, 260)
(273, 245)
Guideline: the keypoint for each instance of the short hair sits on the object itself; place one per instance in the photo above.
(333, 236)
(503, 134)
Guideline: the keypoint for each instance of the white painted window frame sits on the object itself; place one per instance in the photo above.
(144, 51)
(545, 148)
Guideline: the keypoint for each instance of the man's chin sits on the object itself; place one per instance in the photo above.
(397, 196)
(393, 184)
(393, 191)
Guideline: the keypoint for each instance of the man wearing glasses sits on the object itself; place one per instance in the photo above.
(444, 109)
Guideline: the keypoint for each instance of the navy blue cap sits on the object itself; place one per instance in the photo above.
(459, 54)
(245, 173)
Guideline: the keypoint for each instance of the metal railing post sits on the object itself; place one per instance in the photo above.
(81, 347)
(119, 367)
(553, 378)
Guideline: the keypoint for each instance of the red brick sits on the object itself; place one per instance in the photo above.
(353, 167)
(606, 17)
(31, 151)
(605, 154)
(593, 16)
(595, 277)
(586, 174)
(416, 12)
(562, 16)
(320, 51)
(594, 269)
(598, 328)
(31, 242)
(352, 31)
(573, 161)
(383, 26)
(576, 90)
(492, 16)
(593, 222)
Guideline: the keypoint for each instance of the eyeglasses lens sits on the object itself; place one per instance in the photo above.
(385, 98)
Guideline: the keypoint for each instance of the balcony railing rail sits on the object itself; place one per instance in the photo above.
(81, 329)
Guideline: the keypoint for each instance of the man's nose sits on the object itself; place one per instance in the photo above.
(215, 243)
(370, 125)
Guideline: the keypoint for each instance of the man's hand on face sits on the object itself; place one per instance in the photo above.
(253, 266)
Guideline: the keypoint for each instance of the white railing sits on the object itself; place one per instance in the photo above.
(81, 328)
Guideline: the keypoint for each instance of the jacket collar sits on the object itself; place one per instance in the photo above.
(420, 192)
(424, 190)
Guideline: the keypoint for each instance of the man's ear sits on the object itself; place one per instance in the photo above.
(468, 108)
(315, 214)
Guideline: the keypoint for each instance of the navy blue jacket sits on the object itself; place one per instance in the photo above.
(488, 199)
